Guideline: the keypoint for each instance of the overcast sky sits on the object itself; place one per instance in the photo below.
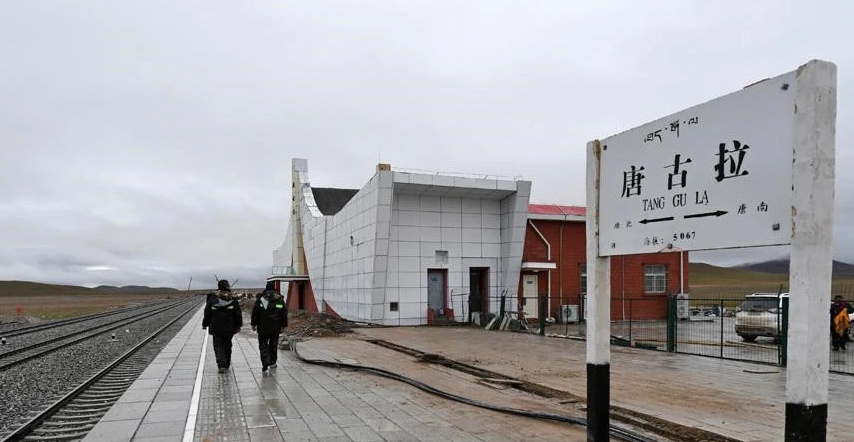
(148, 142)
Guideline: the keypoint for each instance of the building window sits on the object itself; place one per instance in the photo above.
(392, 306)
(441, 256)
(583, 279)
(654, 278)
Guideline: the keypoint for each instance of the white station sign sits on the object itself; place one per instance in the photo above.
(715, 176)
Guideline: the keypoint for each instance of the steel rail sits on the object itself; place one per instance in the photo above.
(31, 425)
(64, 342)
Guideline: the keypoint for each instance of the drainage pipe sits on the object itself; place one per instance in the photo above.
(548, 258)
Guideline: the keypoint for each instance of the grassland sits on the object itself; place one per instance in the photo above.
(47, 301)
(35, 301)
(711, 282)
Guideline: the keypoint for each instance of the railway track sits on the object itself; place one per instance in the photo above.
(72, 416)
(52, 325)
(19, 355)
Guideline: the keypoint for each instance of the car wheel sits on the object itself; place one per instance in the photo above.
(748, 338)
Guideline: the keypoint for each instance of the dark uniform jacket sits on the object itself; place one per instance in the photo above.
(222, 314)
(270, 314)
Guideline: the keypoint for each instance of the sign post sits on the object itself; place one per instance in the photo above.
(748, 169)
(810, 268)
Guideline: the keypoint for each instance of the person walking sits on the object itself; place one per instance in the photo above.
(839, 322)
(269, 319)
(223, 320)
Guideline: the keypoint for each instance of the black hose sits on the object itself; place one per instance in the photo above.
(620, 433)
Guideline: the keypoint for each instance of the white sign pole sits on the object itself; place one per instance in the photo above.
(599, 310)
(810, 269)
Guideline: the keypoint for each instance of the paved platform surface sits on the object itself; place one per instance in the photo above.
(181, 397)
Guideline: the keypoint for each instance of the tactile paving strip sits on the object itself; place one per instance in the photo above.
(220, 415)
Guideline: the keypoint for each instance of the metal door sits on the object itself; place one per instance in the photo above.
(529, 294)
(436, 290)
(478, 289)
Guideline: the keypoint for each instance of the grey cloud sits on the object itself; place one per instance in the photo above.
(156, 138)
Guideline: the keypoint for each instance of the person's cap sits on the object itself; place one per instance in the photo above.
(223, 284)
(270, 285)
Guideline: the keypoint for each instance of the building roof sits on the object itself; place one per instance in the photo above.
(555, 209)
(330, 200)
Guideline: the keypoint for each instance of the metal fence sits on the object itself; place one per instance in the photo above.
(702, 326)
(707, 327)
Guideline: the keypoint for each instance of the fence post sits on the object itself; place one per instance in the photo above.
(782, 346)
(671, 323)
(721, 318)
(542, 315)
(501, 308)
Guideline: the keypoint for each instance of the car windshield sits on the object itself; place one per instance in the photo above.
(759, 304)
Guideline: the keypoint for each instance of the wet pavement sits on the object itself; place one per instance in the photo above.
(305, 402)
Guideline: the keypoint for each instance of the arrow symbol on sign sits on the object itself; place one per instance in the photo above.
(701, 215)
(655, 220)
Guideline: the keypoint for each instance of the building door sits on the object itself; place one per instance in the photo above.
(529, 296)
(478, 290)
(436, 290)
(301, 295)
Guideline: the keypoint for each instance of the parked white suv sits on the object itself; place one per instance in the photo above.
(759, 315)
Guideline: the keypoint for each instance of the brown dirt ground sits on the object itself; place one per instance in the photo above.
(474, 369)
(36, 308)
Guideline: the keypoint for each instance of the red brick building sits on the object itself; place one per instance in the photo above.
(554, 269)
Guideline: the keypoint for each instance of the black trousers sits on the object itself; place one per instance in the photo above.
(268, 344)
(222, 350)
(838, 340)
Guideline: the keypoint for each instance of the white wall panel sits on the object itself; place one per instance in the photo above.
(471, 206)
(471, 249)
(408, 218)
(428, 249)
(413, 310)
(430, 204)
(451, 205)
(451, 235)
(433, 234)
(407, 202)
(430, 219)
(409, 248)
(471, 235)
(413, 294)
(409, 264)
(453, 219)
(470, 220)
(410, 280)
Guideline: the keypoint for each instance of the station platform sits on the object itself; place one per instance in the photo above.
(181, 397)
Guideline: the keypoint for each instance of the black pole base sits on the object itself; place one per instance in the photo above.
(805, 423)
(598, 402)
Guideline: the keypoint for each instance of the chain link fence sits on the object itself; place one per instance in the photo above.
(714, 323)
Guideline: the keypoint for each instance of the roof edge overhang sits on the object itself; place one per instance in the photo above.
(538, 265)
(550, 217)
(288, 278)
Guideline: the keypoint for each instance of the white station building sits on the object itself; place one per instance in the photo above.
(405, 249)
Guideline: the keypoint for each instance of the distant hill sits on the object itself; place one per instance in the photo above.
(701, 274)
(29, 288)
(135, 289)
(781, 266)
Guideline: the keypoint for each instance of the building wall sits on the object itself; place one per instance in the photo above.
(469, 230)
(568, 252)
(514, 216)
(378, 248)
(340, 251)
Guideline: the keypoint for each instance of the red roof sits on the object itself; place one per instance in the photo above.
(555, 209)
